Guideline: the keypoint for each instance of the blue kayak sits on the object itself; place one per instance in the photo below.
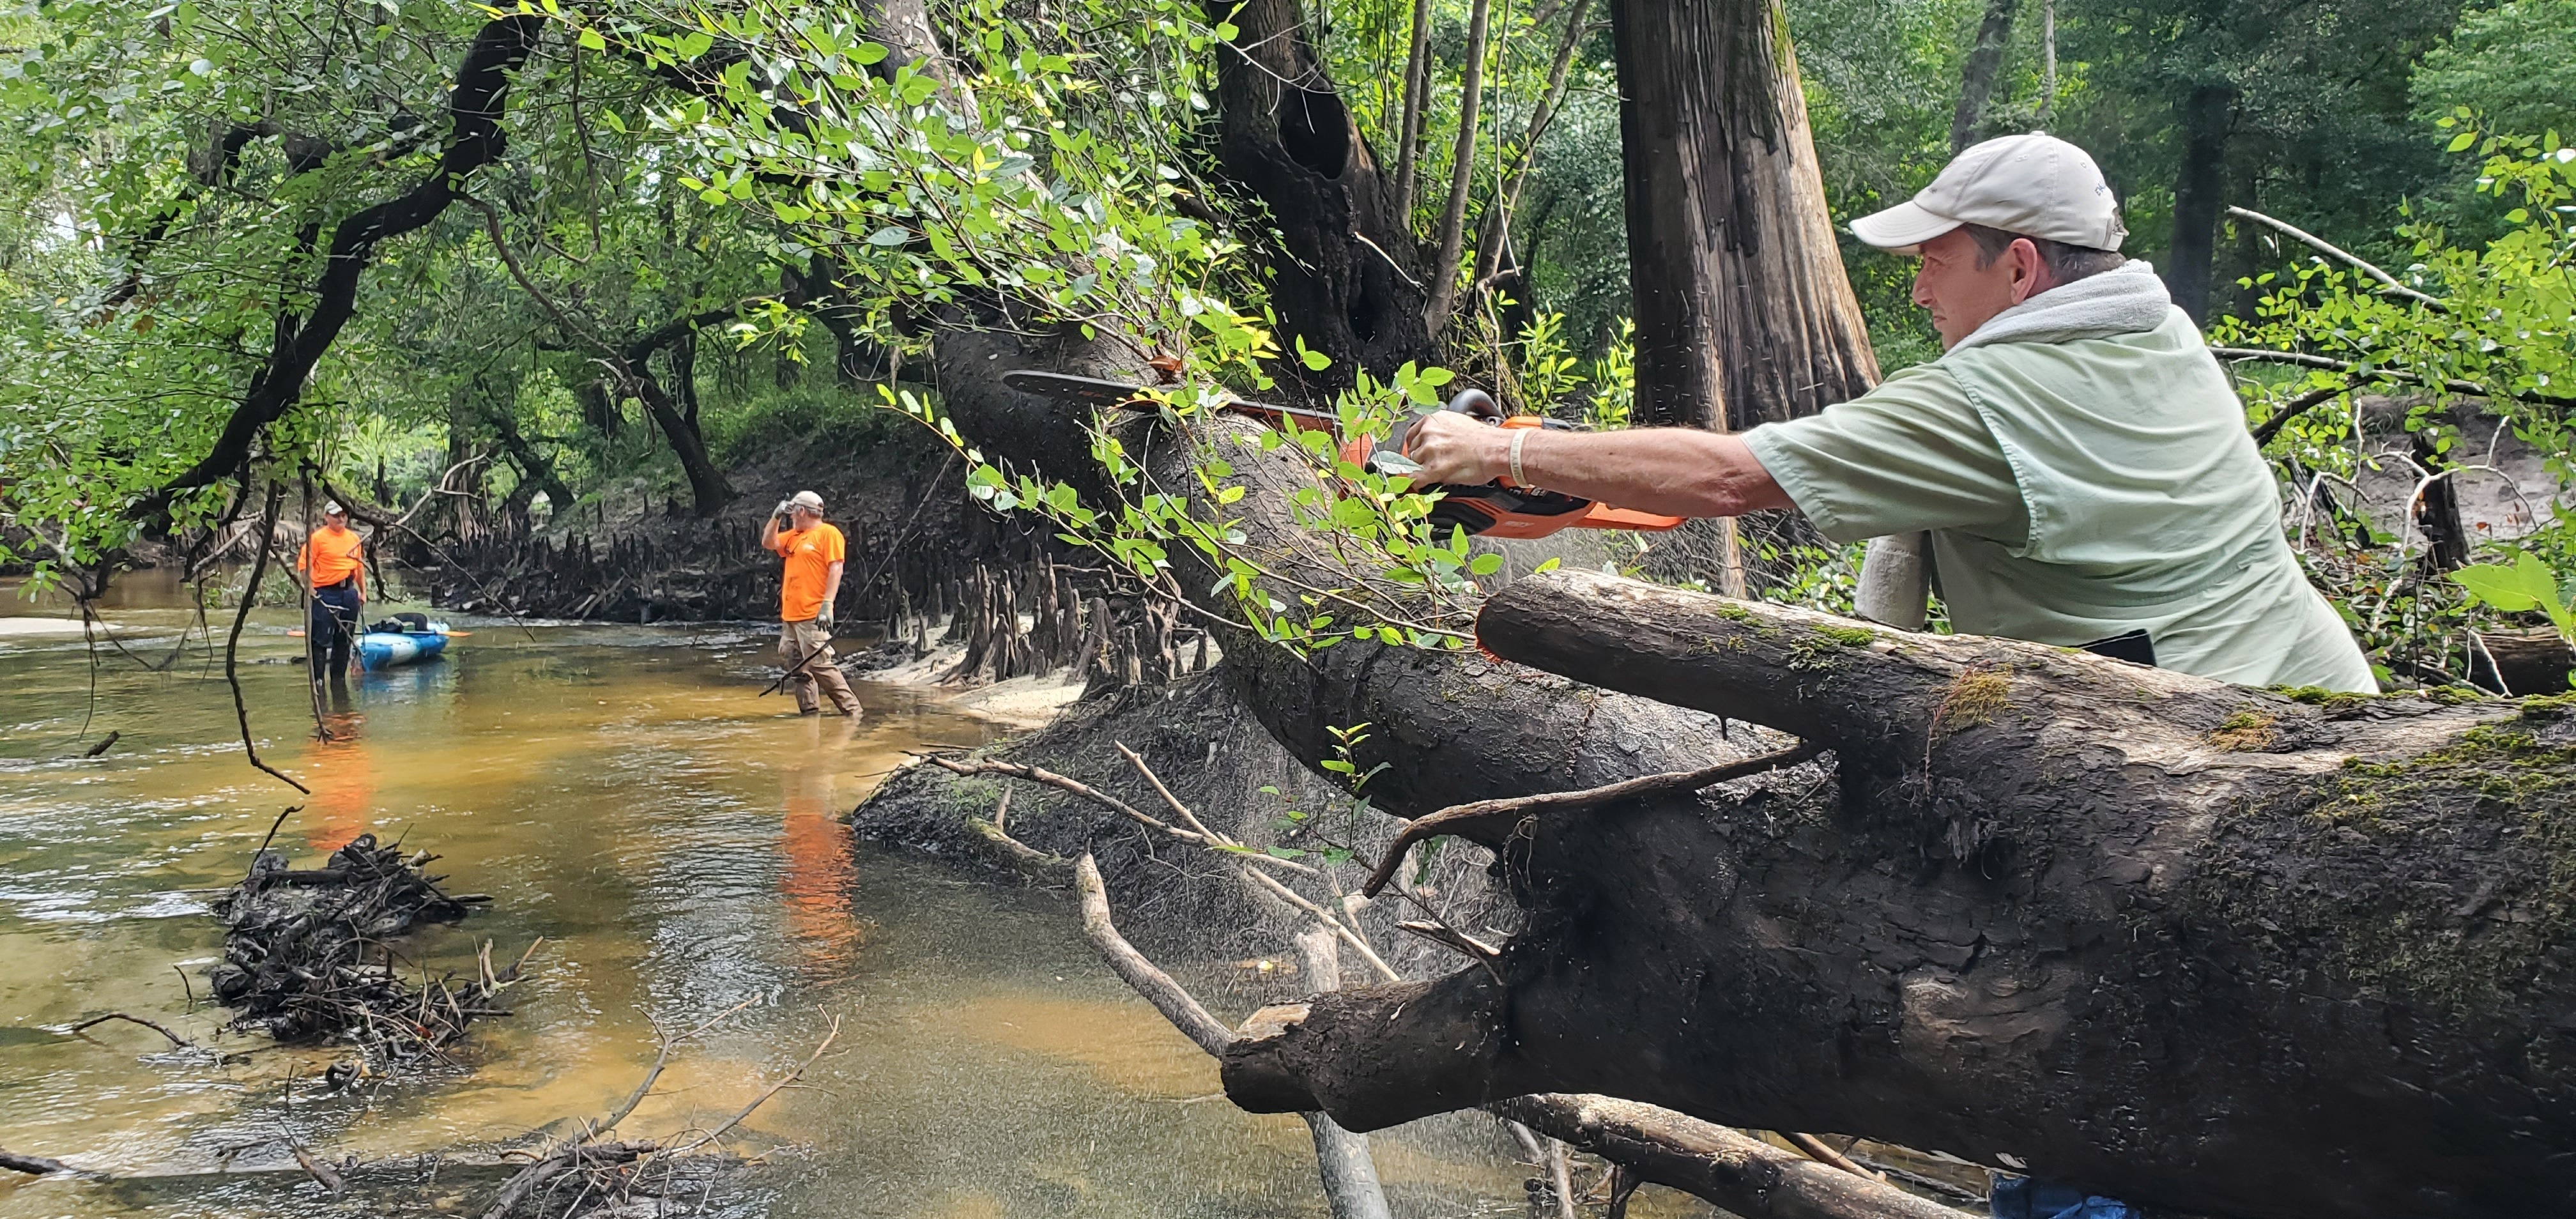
(388, 649)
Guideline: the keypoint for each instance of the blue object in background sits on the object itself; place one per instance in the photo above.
(2032, 1198)
(386, 649)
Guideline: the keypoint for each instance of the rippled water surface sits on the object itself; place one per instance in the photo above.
(677, 843)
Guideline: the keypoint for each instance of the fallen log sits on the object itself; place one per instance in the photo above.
(2193, 945)
(2189, 944)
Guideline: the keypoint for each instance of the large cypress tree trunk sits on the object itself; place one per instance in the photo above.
(1743, 311)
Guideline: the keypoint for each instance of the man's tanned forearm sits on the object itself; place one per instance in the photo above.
(1675, 471)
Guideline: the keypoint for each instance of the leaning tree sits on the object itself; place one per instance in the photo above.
(2231, 951)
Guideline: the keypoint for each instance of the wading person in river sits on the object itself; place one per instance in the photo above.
(334, 566)
(815, 553)
(2077, 454)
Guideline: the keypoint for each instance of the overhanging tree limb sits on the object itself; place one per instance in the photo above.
(475, 107)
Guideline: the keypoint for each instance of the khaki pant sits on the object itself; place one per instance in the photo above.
(803, 641)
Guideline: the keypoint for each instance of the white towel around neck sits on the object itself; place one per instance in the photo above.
(2125, 300)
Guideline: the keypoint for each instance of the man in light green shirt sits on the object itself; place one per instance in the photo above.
(2076, 454)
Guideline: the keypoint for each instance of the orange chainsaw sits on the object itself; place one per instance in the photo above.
(1498, 508)
(1495, 508)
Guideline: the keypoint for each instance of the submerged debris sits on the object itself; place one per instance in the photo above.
(306, 956)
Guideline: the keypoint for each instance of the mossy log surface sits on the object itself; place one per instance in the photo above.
(2194, 945)
(2225, 951)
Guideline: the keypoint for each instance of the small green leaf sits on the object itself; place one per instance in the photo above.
(591, 41)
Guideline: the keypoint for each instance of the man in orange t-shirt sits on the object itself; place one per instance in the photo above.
(815, 553)
(334, 564)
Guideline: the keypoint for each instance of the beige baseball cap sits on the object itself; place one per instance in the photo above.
(806, 500)
(2033, 185)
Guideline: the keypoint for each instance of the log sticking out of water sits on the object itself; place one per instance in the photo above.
(34, 1166)
(305, 955)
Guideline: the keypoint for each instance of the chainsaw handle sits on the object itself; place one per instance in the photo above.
(1477, 404)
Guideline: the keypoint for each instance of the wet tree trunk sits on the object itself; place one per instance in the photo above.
(1742, 308)
(2208, 117)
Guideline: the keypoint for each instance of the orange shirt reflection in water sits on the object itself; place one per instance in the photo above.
(816, 884)
(344, 787)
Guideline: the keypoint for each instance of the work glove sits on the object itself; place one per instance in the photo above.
(823, 618)
(781, 509)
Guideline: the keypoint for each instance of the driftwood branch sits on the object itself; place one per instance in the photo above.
(1736, 1171)
(1817, 1150)
(176, 1041)
(232, 642)
(1139, 974)
(832, 1033)
(2354, 260)
(1481, 818)
(34, 1166)
(587, 1152)
(322, 1173)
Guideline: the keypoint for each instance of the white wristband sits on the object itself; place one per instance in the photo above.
(1519, 435)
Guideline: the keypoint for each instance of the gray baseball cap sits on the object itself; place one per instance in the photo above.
(2034, 185)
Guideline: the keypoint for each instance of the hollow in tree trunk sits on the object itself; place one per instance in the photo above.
(1349, 285)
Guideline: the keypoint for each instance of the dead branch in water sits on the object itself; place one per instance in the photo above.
(1720, 1165)
(323, 1174)
(612, 1174)
(306, 958)
(34, 1166)
(232, 642)
(176, 1041)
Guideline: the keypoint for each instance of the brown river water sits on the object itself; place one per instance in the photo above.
(678, 843)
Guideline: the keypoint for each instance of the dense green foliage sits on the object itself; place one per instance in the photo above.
(718, 222)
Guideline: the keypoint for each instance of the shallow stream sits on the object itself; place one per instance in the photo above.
(677, 843)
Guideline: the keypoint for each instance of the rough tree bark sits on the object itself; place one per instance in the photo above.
(1977, 75)
(1350, 284)
(1742, 308)
(2191, 944)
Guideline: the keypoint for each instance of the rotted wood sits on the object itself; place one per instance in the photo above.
(34, 1166)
